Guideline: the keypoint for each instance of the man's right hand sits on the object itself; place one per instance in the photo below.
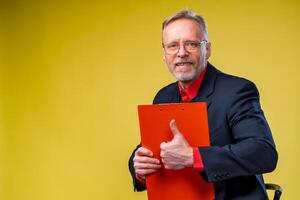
(144, 163)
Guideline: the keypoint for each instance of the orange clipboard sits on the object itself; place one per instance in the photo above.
(191, 120)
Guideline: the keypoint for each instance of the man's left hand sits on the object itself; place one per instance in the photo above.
(176, 154)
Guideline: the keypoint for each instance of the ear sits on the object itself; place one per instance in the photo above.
(164, 57)
(208, 50)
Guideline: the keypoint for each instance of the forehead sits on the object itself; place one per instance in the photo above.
(182, 29)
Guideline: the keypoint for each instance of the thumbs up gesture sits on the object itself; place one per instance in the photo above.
(176, 154)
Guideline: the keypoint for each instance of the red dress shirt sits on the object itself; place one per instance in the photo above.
(186, 96)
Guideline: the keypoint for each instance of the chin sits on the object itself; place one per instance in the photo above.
(184, 77)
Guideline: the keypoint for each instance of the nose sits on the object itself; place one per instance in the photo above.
(182, 52)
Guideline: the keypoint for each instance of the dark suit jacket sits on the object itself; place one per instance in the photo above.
(242, 147)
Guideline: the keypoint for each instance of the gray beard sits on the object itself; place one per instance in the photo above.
(187, 79)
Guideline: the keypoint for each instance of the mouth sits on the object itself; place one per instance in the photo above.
(183, 63)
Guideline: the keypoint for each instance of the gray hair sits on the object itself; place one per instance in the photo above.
(187, 14)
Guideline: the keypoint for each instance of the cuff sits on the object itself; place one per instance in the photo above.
(139, 179)
(198, 163)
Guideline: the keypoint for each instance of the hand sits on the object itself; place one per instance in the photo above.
(144, 163)
(176, 154)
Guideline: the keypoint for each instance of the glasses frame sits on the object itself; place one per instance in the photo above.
(184, 46)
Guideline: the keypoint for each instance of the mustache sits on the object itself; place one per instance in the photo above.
(184, 61)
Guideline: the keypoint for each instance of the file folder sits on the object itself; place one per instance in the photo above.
(191, 119)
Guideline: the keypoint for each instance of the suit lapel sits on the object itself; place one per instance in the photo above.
(176, 98)
(207, 86)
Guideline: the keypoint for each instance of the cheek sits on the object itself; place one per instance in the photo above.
(171, 68)
(197, 58)
(169, 61)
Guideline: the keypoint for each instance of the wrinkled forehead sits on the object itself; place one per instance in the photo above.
(182, 30)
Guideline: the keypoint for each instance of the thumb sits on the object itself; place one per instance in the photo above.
(174, 128)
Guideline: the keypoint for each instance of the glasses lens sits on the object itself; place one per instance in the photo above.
(171, 48)
(190, 46)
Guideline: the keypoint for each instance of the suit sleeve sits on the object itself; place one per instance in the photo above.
(253, 150)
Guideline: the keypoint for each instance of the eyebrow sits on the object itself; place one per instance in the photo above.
(184, 41)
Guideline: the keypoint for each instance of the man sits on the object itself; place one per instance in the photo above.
(242, 147)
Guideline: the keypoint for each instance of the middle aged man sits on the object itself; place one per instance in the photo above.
(241, 148)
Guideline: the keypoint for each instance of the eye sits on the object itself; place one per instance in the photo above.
(192, 44)
(172, 46)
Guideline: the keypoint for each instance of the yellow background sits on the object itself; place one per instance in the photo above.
(73, 72)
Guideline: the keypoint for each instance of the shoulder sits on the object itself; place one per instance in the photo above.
(236, 94)
(233, 85)
(229, 90)
(224, 84)
(166, 94)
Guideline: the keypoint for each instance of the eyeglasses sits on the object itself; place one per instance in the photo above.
(190, 46)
